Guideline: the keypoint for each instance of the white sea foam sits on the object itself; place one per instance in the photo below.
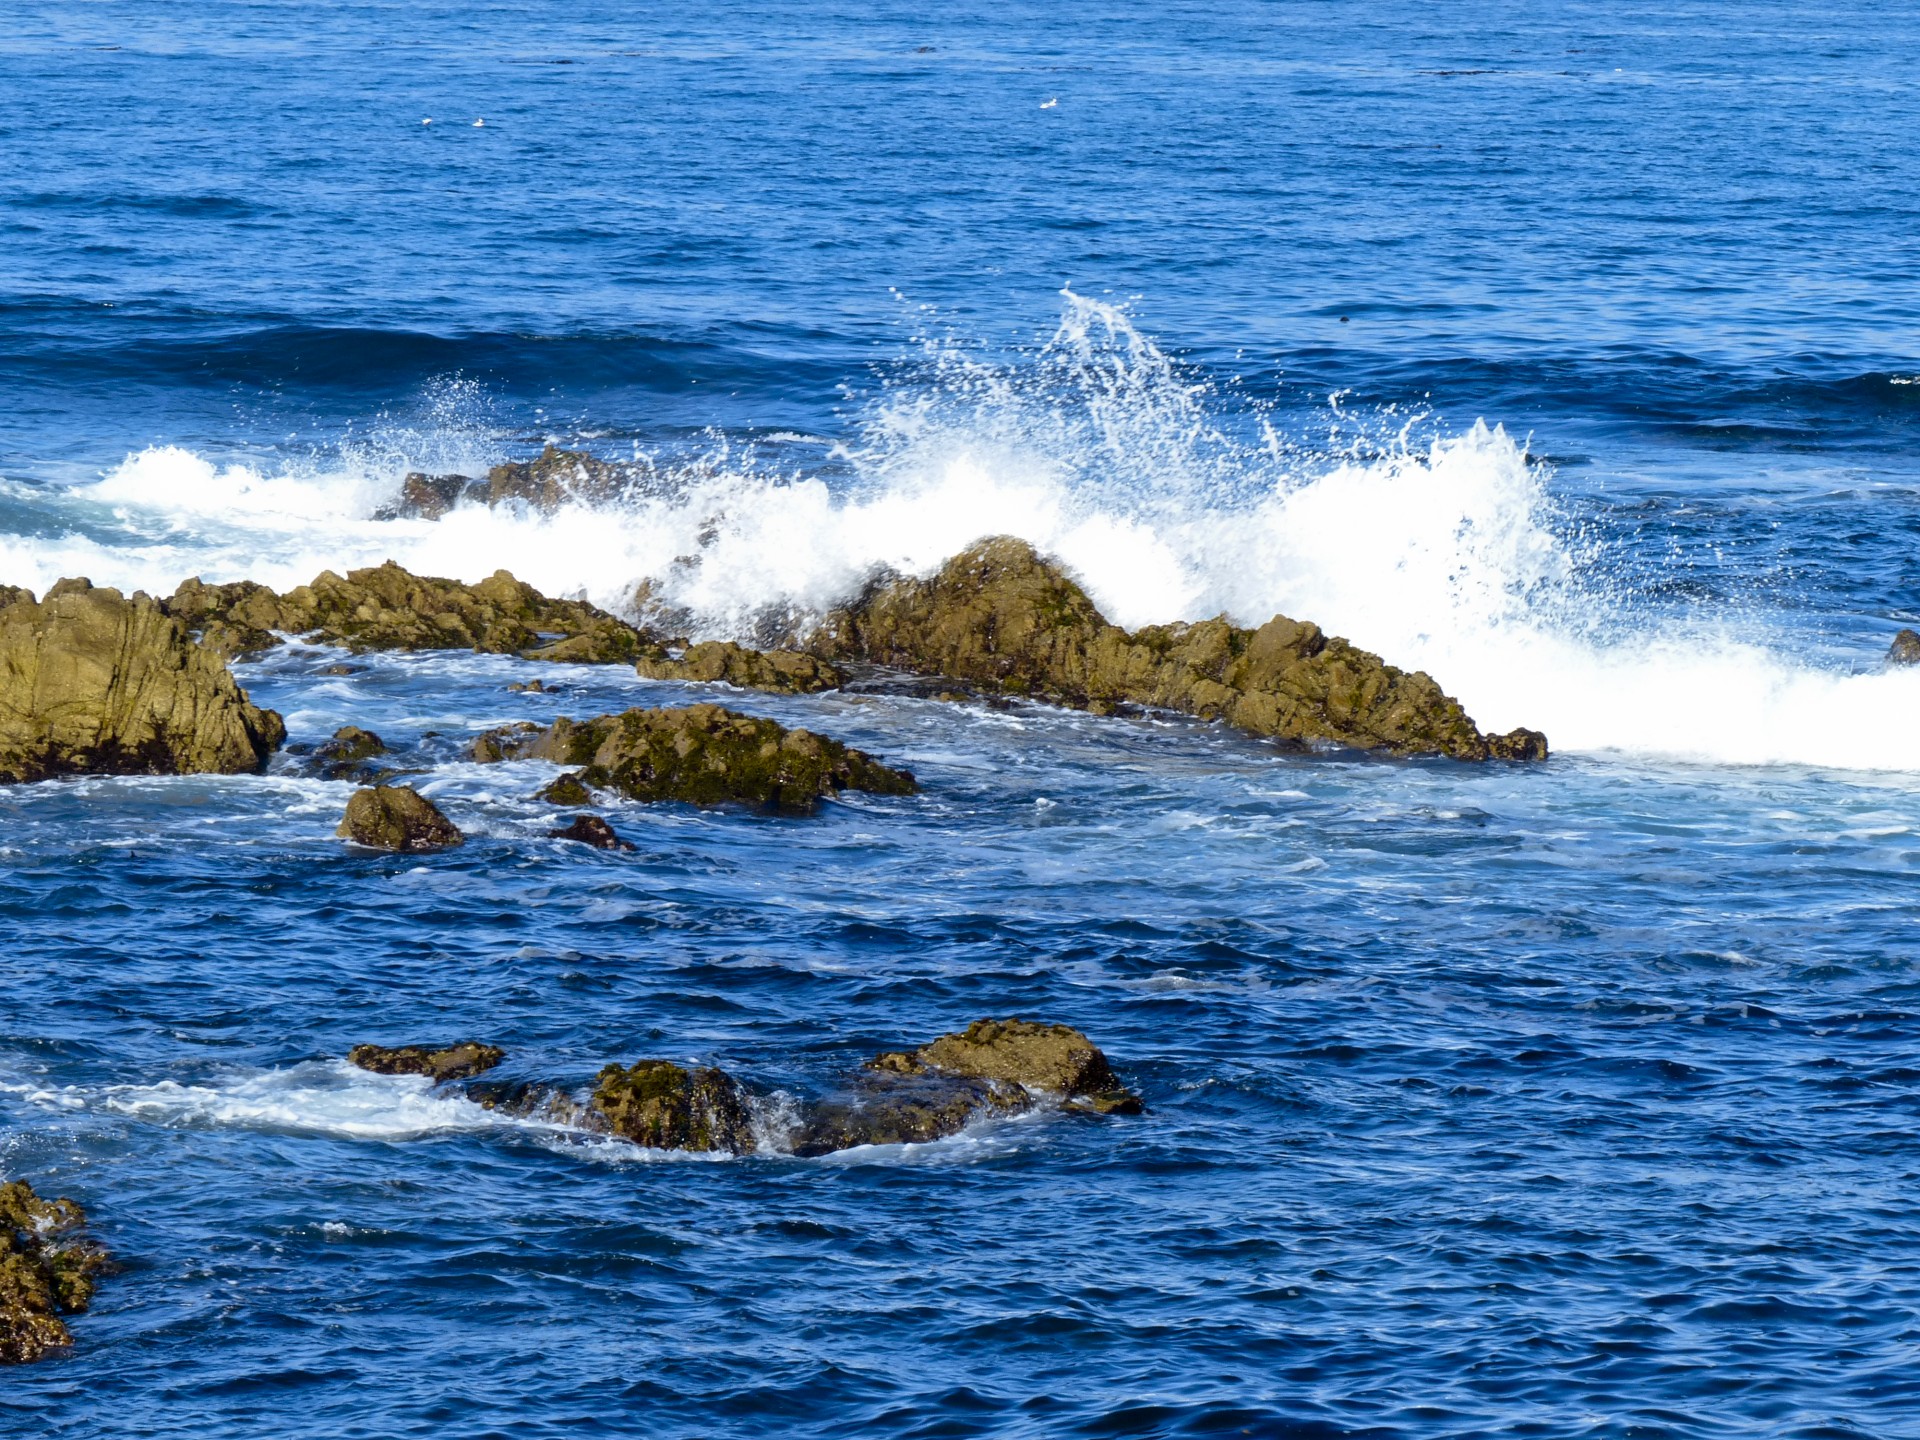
(1446, 556)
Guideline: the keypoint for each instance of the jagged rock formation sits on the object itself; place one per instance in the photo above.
(1905, 649)
(461, 1061)
(784, 672)
(1000, 617)
(700, 755)
(591, 830)
(92, 682)
(47, 1270)
(399, 818)
(385, 607)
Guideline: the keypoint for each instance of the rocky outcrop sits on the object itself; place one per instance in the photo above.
(783, 672)
(1905, 649)
(460, 1061)
(665, 1106)
(92, 682)
(47, 1270)
(385, 607)
(591, 830)
(399, 818)
(701, 755)
(1000, 617)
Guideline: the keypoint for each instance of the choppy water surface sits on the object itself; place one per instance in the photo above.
(1569, 357)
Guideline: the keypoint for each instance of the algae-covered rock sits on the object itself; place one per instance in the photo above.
(1056, 1059)
(704, 755)
(460, 1061)
(397, 817)
(999, 616)
(1905, 649)
(567, 790)
(385, 607)
(92, 682)
(591, 830)
(47, 1269)
(665, 1106)
(784, 672)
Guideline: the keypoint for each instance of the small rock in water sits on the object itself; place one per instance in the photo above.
(1905, 649)
(591, 830)
(665, 1106)
(567, 790)
(340, 669)
(399, 818)
(461, 1061)
(345, 756)
(46, 1271)
(531, 687)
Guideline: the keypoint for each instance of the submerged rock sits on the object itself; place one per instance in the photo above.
(345, 756)
(397, 817)
(890, 1108)
(1905, 649)
(701, 755)
(47, 1270)
(591, 830)
(784, 672)
(461, 1061)
(665, 1106)
(1001, 617)
(92, 682)
(385, 607)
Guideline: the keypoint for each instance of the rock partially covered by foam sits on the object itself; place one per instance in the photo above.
(1001, 617)
(1048, 1059)
(92, 682)
(1905, 649)
(460, 1061)
(347, 754)
(783, 672)
(554, 478)
(591, 830)
(385, 607)
(665, 1106)
(701, 755)
(883, 1107)
(399, 818)
(47, 1269)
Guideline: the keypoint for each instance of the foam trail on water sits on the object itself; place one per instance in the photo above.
(1102, 452)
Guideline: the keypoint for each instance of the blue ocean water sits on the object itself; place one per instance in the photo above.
(1567, 352)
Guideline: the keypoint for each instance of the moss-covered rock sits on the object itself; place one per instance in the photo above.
(591, 830)
(567, 789)
(1001, 617)
(397, 817)
(665, 1106)
(1050, 1059)
(703, 755)
(385, 607)
(47, 1270)
(92, 682)
(460, 1061)
(783, 672)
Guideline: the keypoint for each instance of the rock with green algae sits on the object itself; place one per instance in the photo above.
(460, 1061)
(385, 607)
(1001, 617)
(94, 682)
(665, 1106)
(701, 755)
(566, 790)
(1050, 1059)
(782, 672)
(398, 818)
(47, 1270)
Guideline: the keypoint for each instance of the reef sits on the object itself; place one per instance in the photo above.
(47, 1270)
(460, 1061)
(385, 607)
(94, 682)
(700, 755)
(1000, 617)
(399, 818)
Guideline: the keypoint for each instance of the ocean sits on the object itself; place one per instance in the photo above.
(1565, 352)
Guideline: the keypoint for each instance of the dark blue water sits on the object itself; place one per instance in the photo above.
(1576, 1099)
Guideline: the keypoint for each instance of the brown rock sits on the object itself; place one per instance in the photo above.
(94, 683)
(566, 790)
(461, 1061)
(591, 830)
(47, 1270)
(783, 672)
(399, 818)
(555, 478)
(664, 1106)
(999, 616)
(1905, 649)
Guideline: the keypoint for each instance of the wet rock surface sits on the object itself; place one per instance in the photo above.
(551, 479)
(47, 1270)
(1905, 649)
(1001, 617)
(346, 755)
(702, 755)
(92, 682)
(1051, 1059)
(566, 790)
(665, 1106)
(460, 1061)
(385, 607)
(399, 818)
(782, 672)
(591, 830)
(892, 1108)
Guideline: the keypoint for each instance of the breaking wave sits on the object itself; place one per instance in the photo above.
(1170, 500)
